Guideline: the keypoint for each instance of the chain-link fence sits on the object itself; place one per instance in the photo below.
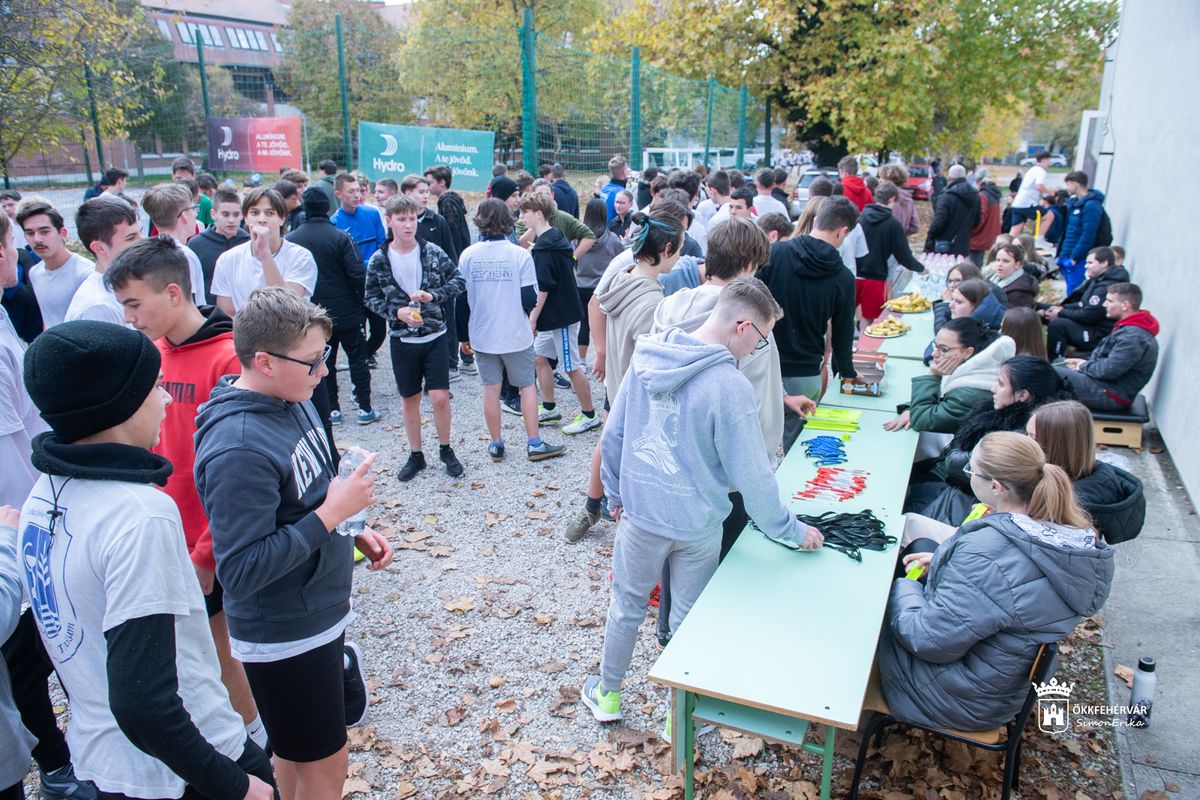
(545, 100)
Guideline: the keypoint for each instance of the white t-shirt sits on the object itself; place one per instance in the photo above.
(117, 553)
(719, 216)
(406, 268)
(19, 239)
(238, 271)
(854, 247)
(699, 231)
(19, 419)
(705, 211)
(766, 204)
(195, 273)
(495, 271)
(95, 301)
(1027, 195)
(55, 288)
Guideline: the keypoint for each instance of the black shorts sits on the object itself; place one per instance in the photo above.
(413, 362)
(215, 603)
(301, 701)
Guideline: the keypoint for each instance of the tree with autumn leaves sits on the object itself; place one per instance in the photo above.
(913, 76)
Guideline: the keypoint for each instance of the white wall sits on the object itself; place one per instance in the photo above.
(1153, 204)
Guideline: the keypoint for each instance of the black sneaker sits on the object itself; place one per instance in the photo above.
(561, 381)
(512, 406)
(371, 362)
(496, 451)
(454, 467)
(354, 686)
(62, 784)
(415, 463)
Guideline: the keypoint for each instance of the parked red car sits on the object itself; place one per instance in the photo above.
(918, 181)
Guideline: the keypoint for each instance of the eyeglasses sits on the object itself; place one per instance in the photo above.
(190, 208)
(952, 282)
(943, 349)
(763, 342)
(972, 474)
(313, 365)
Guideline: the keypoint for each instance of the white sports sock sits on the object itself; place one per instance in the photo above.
(257, 732)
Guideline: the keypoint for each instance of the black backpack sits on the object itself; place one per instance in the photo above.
(1103, 230)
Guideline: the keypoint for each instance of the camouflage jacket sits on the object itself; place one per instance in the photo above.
(439, 277)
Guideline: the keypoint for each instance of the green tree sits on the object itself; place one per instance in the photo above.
(377, 90)
(44, 45)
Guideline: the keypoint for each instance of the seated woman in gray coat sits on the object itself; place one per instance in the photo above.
(956, 652)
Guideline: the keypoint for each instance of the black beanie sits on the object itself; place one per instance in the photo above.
(503, 187)
(315, 202)
(86, 377)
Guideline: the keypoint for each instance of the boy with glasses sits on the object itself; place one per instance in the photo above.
(266, 477)
(682, 429)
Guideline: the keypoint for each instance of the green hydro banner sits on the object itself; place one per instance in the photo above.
(393, 151)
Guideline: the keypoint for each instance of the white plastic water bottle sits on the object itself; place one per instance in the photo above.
(1141, 697)
(352, 459)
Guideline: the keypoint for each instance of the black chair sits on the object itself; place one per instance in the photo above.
(1006, 738)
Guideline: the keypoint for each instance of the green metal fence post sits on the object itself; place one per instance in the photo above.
(529, 116)
(203, 74)
(337, 21)
(87, 76)
(635, 110)
(741, 142)
(767, 133)
(708, 119)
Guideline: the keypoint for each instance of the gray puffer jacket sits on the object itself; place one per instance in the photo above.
(956, 653)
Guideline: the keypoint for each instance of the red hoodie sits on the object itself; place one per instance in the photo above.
(1140, 319)
(190, 370)
(856, 191)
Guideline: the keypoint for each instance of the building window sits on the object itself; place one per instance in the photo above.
(165, 30)
(208, 34)
(275, 41)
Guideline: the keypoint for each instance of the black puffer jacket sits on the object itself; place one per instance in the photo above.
(956, 214)
(985, 418)
(1115, 500)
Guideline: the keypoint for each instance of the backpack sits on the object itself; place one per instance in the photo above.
(1103, 230)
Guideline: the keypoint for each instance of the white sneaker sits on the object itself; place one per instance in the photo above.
(581, 424)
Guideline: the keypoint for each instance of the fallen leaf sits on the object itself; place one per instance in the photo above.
(1172, 787)
(441, 551)
(451, 716)
(496, 681)
(1124, 673)
(417, 536)
(543, 617)
(506, 706)
(747, 747)
(462, 604)
(586, 622)
(430, 519)
(495, 767)
(362, 738)
(538, 515)
(552, 667)
(355, 786)
(405, 791)
(1153, 794)
(476, 485)
(491, 517)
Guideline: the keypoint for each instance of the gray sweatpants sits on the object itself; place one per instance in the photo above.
(638, 558)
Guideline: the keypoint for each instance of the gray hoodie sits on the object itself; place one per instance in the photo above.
(263, 466)
(956, 653)
(683, 429)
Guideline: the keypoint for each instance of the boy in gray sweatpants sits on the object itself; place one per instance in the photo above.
(682, 430)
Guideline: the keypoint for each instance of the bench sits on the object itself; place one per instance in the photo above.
(1123, 428)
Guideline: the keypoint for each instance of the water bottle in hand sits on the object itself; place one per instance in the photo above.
(352, 460)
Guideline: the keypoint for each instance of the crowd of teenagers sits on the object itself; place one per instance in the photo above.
(186, 539)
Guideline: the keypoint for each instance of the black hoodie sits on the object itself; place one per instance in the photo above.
(1115, 500)
(340, 271)
(554, 261)
(1085, 305)
(208, 245)
(957, 213)
(810, 281)
(885, 237)
(263, 466)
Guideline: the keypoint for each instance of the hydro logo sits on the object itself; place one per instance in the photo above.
(387, 165)
(228, 155)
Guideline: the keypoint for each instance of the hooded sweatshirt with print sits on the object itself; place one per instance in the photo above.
(190, 371)
(687, 311)
(263, 466)
(682, 431)
(628, 302)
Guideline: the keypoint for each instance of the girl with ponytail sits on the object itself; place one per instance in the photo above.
(957, 651)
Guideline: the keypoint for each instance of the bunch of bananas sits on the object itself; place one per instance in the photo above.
(911, 303)
(892, 326)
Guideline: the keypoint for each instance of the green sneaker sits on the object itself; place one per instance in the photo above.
(551, 415)
(582, 423)
(605, 706)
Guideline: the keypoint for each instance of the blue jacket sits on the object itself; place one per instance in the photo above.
(365, 228)
(1083, 218)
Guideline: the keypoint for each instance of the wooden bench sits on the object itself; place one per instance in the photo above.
(1123, 429)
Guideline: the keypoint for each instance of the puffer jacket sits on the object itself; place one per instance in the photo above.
(1124, 360)
(1115, 500)
(941, 405)
(957, 212)
(1083, 220)
(956, 653)
(439, 277)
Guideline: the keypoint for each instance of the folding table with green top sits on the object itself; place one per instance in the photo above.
(781, 640)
